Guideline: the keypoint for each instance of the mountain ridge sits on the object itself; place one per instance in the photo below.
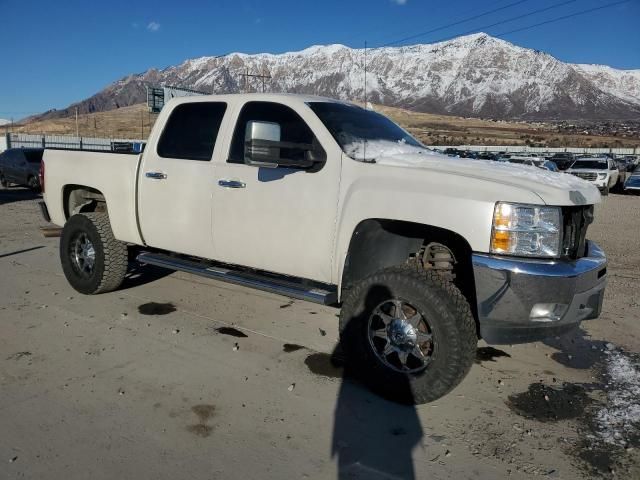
(474, 76)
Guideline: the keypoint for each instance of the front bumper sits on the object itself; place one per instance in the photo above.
(524, 300)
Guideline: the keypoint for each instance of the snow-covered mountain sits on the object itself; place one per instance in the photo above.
(4, 121)
(475, 75)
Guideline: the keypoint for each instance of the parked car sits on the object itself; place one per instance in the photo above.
(632, 160)
(601, 171)
(534, 162)
(486, 156)
(563, 159)
(549, 165)
(625, 164)
(328, 202)
(453, 152)
(20, 166)
(632, 184)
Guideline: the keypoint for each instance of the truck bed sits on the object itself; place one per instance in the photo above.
(114, 175)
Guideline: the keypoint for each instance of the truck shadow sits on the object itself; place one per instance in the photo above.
(138, 275)
(373, 438)
(575, 349)
(17, 194)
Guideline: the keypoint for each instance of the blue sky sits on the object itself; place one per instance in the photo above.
(56, 52)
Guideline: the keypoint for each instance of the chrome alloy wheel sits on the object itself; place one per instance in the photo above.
(400, 336)
(83, 255)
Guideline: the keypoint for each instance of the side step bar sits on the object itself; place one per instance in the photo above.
(324, 295)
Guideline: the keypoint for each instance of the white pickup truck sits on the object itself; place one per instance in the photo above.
(328, 202)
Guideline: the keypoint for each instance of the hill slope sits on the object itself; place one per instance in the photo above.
(476, 75)
(135, 122)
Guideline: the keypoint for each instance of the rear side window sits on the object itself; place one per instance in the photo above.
(191, 131)
(33, 156)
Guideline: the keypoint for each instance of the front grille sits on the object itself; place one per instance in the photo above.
(576, 220)
(586, 175)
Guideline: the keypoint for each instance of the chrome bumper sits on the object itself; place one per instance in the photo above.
(527, 300)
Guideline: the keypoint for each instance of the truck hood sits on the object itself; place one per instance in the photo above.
(552, 187)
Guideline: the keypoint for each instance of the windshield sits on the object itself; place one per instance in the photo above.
(364, 134)
(590, 164)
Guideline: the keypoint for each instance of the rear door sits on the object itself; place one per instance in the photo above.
(176, 180)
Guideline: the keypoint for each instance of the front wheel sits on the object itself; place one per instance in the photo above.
(33, 184)
(408, 334)
(92, 259)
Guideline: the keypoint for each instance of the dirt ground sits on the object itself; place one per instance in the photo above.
(176, 376)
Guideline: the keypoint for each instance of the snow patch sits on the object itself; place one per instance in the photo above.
(400, 154)
(382, 151)
(619, 420)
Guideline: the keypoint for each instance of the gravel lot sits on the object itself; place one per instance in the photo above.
(176, 376)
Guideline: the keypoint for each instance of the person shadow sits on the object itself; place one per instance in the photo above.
(373, 438)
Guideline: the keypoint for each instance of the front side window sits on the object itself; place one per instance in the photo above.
(191, 131)
(364, 134)
(293, 130)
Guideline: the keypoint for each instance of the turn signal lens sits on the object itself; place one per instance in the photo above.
(501, 241)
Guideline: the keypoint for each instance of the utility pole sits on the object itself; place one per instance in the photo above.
(141, 125)
(77, 129)
(365, 74)
(262, 77)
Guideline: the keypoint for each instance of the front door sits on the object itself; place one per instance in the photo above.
(277, 219)
(176, 180)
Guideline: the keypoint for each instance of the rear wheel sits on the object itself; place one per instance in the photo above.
(408, 334)
(92, 259)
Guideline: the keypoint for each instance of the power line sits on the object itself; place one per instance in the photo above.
(379, 27)
(495, 24)
(464, 20)
(582, 12)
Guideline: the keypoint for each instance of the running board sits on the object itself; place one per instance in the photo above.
(324, 295)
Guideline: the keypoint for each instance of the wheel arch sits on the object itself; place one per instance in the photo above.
(82, 199)
(378, 243)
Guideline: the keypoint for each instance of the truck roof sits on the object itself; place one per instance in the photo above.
(286, 98)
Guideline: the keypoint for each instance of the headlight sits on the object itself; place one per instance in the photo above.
(526, 230)
(602, 176)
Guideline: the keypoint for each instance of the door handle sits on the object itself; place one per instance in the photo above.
(156, 175)
(231, 184)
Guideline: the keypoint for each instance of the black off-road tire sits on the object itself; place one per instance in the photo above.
(449, 317)
(110, 265)
(605, 191)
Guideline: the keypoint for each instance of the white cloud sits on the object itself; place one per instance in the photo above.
(153, 26)
(399, 2)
